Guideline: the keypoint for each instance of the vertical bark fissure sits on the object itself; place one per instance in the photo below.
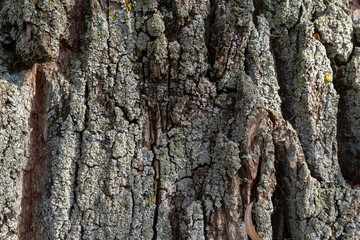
(347, 156)
(204, 219)
(70, 50)
(344, 140)
(82, 154)
(167, 111)
(210, 20)
(109, 32)
(132, 207)
(157, 180)
(286, 98)
(257, 11)
(36, 175)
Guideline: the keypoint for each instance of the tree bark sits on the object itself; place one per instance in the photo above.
(179, 119)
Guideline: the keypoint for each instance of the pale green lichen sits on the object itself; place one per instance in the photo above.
(158, 54)
(155, 25)
(142, 41)
(182, 8)
(226, 164)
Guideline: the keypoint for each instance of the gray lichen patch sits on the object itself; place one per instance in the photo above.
(39, 38)
(335, 28)
(262, 66)
(193, 224)
(13, 146)
(317, 103)
(96, 150)
(265, 189)
(352, 76)
(226, 163)
(324, 216)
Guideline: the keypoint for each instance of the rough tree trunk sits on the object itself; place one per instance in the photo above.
(164, 119)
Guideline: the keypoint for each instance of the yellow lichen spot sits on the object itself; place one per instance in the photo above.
(336, 228)
(113, 18)
(48, 51)
(96, 9)
(128, 6)
(124, 205)
(328, 78)
(152, 200)
(300, 160)
(49, 2)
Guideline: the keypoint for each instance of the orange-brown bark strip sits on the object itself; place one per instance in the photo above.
(37, 169)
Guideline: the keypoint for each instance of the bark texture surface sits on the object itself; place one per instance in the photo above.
(165, 119)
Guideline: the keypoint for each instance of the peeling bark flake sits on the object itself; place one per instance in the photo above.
(249, 226)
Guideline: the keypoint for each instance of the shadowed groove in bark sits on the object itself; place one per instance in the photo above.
(81, 150)
(71, 47)
(279, 219)
(157, 188)
(258, 9)
(174, 222)
(284, 83)
(15, 64)
(36, 177)
(151, 145)
(348, 155)
(346, 140)
(209, 38)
